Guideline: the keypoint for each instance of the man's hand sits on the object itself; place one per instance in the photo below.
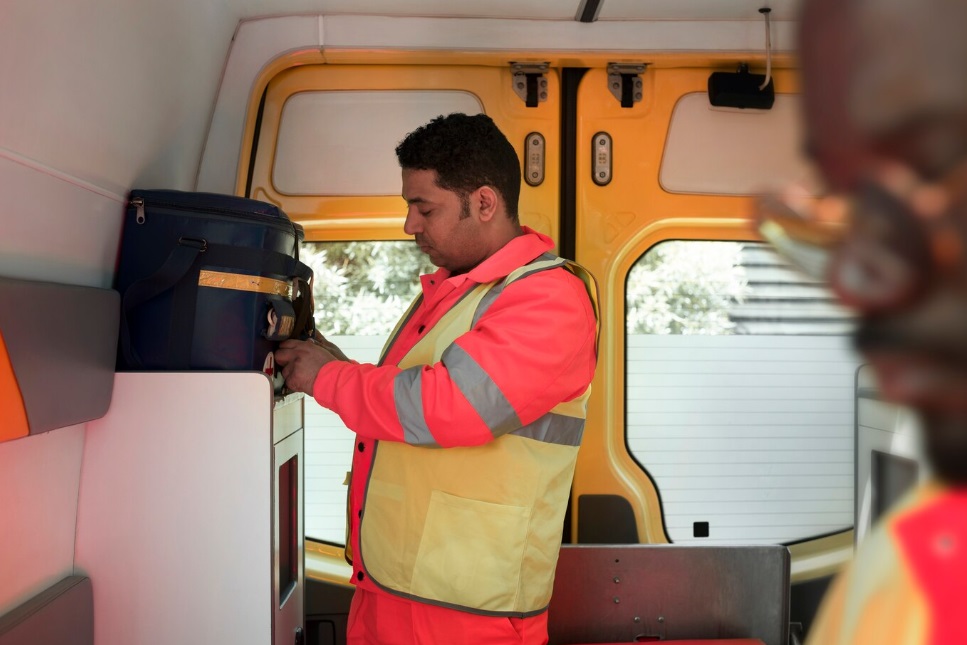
(301, 361)
(328, 346)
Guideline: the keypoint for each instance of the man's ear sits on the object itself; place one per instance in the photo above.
(487, 202)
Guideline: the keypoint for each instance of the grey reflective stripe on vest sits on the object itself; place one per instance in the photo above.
(554, 428)
(492, 295)
(408, 392)
(480, 391)
(477, 387)
(408, 315)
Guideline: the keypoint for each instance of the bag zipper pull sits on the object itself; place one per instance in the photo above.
(138, 203)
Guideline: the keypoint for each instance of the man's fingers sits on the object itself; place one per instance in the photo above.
(299, 363)
(289, 375)
(283, 356)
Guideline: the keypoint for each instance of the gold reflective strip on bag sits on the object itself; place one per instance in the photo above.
(242, 282)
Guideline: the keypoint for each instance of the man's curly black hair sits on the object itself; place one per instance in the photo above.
(466, 152)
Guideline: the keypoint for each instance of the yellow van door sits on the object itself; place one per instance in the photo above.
(722, 406)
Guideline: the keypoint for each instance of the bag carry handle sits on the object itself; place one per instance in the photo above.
(179, 264)
(305, 322)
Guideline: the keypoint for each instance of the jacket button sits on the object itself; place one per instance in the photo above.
(359, 576)
(359, 513)
(420, 330)
(361, 447)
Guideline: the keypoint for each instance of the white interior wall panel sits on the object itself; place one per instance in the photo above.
(256, 43)
(39, 478)
(112, 92)
(174, 525)
(56, 228)
(753, 434)
(99, 96)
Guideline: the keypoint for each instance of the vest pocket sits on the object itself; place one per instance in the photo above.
(471, 552)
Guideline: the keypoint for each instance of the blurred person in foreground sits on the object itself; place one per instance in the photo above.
(467, 430)
(885, 99)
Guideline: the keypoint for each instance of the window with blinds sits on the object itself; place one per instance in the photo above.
(740, 394)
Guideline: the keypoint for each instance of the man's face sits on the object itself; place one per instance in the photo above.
(913, 308)
(444, 225)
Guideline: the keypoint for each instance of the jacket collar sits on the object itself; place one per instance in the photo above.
(517, 252)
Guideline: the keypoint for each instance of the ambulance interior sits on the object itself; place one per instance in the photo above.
(161, 507)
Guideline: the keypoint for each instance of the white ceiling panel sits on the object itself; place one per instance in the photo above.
(519, 9)
(704, 10)
(696, 9)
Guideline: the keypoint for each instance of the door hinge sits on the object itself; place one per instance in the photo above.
(624, 82)
(529, 82)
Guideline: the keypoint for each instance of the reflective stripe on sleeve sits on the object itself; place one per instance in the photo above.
(554, 428)
(408, 394)
(541, 263)
(486, 301)
(480, 391)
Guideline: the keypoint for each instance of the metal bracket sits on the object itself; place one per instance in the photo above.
(529, 82)
(624, 82)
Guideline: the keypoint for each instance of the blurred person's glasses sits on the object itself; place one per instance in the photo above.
(879, 245)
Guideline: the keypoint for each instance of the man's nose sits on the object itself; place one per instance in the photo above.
(413, 223)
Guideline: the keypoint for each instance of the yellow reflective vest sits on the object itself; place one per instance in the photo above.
(474, 528)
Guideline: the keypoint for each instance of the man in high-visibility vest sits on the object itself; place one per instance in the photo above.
(885, 100)
(469, 426)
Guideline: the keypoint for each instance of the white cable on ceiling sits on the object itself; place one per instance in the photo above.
(765, 11)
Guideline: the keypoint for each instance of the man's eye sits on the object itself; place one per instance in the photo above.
(425, 213)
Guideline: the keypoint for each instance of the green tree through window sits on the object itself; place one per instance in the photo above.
(685, 288)
(362, 288)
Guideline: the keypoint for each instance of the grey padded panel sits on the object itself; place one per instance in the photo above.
(61, 615)
(620, 593)
(62, 342)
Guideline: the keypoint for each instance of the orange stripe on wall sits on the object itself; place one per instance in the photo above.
(13, 415)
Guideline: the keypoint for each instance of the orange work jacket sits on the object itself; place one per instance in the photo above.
(536, 343)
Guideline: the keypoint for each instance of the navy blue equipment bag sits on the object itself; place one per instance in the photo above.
(208, 282)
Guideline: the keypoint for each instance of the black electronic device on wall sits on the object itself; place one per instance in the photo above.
(741, 89)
